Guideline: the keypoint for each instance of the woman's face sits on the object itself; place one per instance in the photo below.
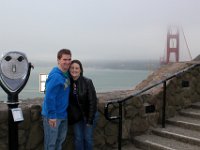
(75, 71)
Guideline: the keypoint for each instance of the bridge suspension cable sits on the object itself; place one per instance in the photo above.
(186, 43)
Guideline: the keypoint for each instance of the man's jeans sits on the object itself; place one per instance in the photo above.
(54, 137)
(83, 135)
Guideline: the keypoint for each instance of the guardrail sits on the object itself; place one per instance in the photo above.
(136, 93)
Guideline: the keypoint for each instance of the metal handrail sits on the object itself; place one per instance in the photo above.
(136, 93)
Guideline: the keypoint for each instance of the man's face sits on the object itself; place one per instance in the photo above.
(64, 62)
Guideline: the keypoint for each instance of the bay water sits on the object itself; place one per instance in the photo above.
(104, 80)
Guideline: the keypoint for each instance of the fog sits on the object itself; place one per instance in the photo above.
(96, 30)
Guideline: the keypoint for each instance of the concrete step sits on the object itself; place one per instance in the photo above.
(154, 142)
(185, 122)
(196, 105)
(191, 112)
(179, 134)
(182, 132)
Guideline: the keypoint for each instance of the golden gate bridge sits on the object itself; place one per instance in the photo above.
(176, 49)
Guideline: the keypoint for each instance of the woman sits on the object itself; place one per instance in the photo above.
(83, 91)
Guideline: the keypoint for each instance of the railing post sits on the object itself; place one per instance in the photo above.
(120, 126)
(164, 104)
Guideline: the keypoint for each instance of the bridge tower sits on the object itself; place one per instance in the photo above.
(172, 44)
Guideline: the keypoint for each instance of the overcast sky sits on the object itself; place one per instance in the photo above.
(96, 29)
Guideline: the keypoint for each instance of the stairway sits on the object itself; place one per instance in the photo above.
(182, 132)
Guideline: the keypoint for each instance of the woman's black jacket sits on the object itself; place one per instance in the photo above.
(86, 96)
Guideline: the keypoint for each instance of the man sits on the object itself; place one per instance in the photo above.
(55, 103)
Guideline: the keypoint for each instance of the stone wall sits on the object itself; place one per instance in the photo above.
(135, 119)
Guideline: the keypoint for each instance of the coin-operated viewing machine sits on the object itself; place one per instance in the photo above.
(14, 74)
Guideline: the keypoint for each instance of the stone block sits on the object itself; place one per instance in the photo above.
(110, 129)
(130, 111)
(35, 136)
(36, 112)
(138, 125)
(25, 124)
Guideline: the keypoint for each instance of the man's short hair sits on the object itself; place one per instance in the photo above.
(63, 51)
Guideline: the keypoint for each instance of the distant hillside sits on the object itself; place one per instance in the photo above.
(197, 58)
